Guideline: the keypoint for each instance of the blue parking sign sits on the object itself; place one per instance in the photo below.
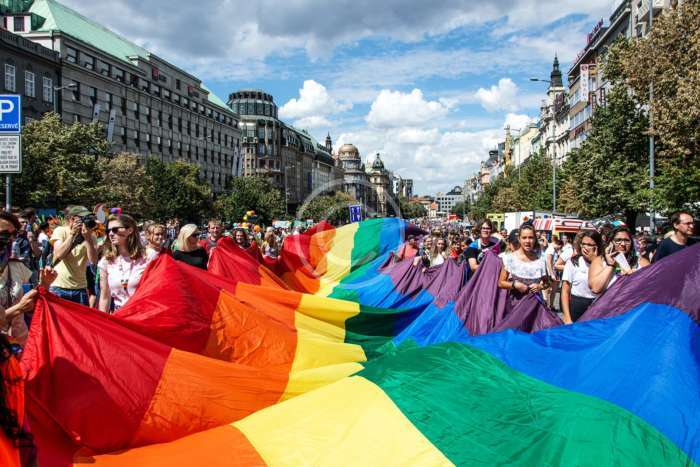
(10, 113)
(355, 213)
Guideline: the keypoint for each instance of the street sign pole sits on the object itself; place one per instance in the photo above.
(8, 193)
(10, 142)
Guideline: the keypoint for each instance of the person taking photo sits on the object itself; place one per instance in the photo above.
(73, 247)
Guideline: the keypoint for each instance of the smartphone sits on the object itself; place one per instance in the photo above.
(621, 261)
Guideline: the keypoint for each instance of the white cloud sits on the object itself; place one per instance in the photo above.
(503, 96)
(393, 109)
(517, 121)
(313, 100)
(313, 122)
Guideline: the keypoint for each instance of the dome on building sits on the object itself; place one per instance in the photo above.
(348, 151)
(377, 164)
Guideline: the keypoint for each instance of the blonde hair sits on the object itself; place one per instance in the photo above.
(185, 232)
(133, 242)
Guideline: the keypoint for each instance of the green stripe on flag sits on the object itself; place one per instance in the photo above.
(477, 410)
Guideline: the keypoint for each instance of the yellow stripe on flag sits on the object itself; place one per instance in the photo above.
(369, 431)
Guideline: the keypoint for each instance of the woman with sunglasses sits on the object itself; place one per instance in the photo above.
(13, 273)
(189, 250)
(576, 295)
(123, 263)
(618, 259)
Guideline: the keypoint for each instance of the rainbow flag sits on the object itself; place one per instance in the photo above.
(620, 390)
(382, 364)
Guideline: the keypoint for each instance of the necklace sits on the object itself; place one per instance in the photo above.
(124, 278)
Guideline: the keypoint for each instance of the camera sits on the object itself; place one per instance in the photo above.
(89, 221)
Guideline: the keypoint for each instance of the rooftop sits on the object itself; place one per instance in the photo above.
(58, 17)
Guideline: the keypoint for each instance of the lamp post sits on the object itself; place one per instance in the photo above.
(56, 89)
(554, 162)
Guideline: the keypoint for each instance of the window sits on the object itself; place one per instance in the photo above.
(103, 67)
(119, 74)
(71, 55)
(88, 61)
(47, 87)
(29, 84)
(176, 98)
(19, 23)
(177, 84)
(166, 93)
(109, 97)
(155, 89)
(93, 95)
(9, 77)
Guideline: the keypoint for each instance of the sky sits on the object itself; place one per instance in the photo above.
(429, 85)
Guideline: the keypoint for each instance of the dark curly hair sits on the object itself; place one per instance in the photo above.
(8, 417)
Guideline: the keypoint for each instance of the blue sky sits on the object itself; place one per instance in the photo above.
(429, 85)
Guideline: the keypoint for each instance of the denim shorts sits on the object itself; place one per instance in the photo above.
(73, 295)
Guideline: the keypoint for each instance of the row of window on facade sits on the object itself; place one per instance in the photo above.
(30, 83)
(91, 63)
(255, 108)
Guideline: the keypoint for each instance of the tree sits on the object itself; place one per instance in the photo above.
(411, 209)
(124, 183)
(59, 163)
(461, 208)
(178, 190)
(668, 57)
(609, 172)
(250, 193)
(333, 209)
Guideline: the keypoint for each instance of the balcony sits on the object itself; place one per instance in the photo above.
(643, 8)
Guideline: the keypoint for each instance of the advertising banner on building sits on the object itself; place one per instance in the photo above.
(583, 86)
(110, 125)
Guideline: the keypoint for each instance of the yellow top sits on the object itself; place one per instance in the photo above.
(71, 269)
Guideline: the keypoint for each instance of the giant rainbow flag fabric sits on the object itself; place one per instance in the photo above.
(336, 354)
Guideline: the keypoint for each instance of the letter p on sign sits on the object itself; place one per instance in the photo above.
(6, 107)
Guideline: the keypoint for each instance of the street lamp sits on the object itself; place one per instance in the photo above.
(56, 89)
(541, 80)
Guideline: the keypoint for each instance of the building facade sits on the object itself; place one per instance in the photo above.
(355, 179)
(147, 105)
(290, 158)
(381, 199)
(29, 70)
(447, 201)
(554, 117)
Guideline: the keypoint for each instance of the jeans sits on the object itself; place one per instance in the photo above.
(73, 295)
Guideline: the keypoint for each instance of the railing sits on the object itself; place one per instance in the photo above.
(26, 44)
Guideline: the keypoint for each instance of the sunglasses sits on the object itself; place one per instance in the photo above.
(114, 230)
(621, 240)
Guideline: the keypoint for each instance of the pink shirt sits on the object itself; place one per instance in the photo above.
(123, 276)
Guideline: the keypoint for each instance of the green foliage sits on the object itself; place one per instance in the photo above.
(668, 58)
(124, 183)
(460, 208)
(411, 209)
(250, 193)
(178, 191)
(333, 209)
(608, 175)
(59, 164)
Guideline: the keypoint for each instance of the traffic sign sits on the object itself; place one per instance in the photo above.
(355, 213)
(10, 154)
(10, 113)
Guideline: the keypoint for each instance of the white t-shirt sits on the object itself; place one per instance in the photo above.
(566, 253)
(577, 276)
(528, 272)
(438, 260)
(123, 271)
(10, 293)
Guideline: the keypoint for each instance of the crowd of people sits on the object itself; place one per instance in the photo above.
(101, 264)
(568, 274)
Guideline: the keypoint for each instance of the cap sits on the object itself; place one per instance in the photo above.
(76, 211)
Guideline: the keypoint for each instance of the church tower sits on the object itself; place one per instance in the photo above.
(329, 144)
